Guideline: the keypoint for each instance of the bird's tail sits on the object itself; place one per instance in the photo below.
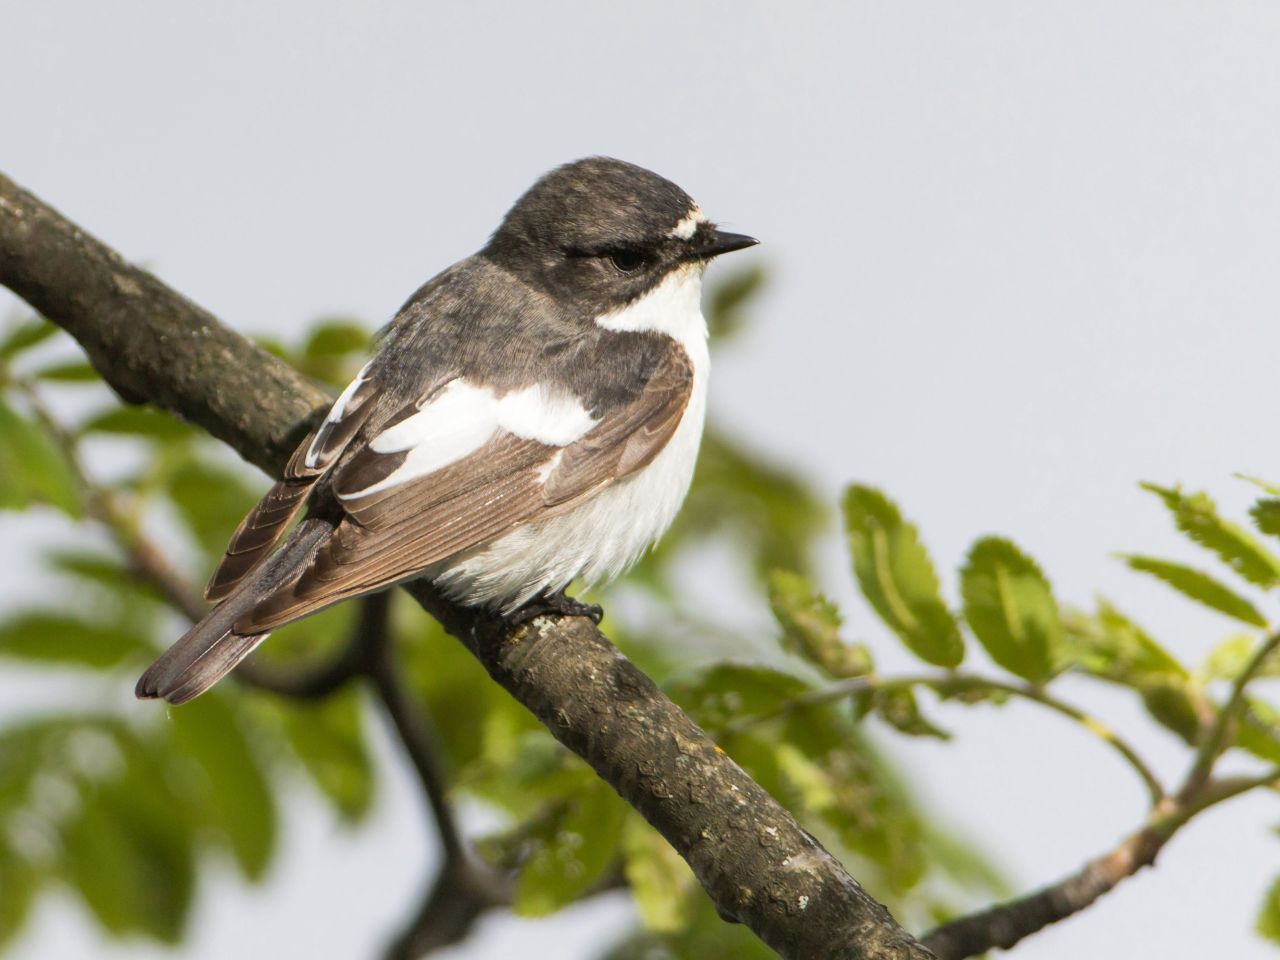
(211, 649)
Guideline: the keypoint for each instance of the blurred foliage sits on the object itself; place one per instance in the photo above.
(127, 807)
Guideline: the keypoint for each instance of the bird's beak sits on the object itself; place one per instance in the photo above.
(722, 242)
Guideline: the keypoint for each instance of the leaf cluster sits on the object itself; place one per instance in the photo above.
(124, 807)
(1008, 609)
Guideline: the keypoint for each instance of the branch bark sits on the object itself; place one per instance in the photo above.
(757, 864)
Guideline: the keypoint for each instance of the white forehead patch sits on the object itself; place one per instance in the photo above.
(687, 227)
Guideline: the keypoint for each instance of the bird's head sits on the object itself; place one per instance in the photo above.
(603, 232)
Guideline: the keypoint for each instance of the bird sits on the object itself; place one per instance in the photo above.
(530, 417)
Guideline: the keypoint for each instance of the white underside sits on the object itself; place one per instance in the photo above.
(601, 537)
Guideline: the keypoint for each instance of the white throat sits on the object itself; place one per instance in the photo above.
(673, 307)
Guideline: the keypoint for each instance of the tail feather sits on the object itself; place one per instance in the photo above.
(194, 664)
(211, 649)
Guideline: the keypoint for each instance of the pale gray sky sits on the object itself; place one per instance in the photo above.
(1024, 254)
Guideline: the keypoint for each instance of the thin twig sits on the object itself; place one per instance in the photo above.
(954, 684)
(410, 723)
(1215, 740)
(1218, 790)
(309, 682)
(464, 888)
(102, 505)
(1008, 923)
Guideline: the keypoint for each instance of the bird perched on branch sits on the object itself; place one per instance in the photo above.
(531, 417)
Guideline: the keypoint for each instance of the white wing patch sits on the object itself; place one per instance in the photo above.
(456, 421)
(534, 413)
(461, 419)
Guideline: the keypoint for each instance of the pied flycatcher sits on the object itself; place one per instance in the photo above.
(531, 417)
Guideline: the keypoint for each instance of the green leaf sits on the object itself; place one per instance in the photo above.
(571, 851)
(99, 798)
(811, 626)
(1268, 921)
(870, 811)
(897, 577)
(1198, 586)
(815, 789)
(328, 353)
(1112, 646)
(19, 883)
(33, 467)
(151, 423)
(26, 335)
(231, 790)
(74, 371)
(1197, 517)
(1228, 658)
(57, 637)
(1266, 515)
(133, 870)
(1171, 705)
(128, 848)
(1263, 485)
(328, 737)
(899, 708)
(722, 692)
(100, 568)
(334, 338)
(1259, 731)
(133, 599)
(660, 881)
(1010, 607)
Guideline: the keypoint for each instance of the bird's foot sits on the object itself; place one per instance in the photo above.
(558, 603)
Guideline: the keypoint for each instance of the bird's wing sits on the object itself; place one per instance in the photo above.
(266, 523)
(463, 465)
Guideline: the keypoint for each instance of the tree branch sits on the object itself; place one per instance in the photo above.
(758, 865)
(1004, 925)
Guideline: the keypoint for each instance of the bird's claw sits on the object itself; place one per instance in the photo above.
(559, 604)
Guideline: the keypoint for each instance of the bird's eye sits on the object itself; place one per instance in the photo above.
(628, 261)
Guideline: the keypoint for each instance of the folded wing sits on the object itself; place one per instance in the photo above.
(459, 467)
(266, 523)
